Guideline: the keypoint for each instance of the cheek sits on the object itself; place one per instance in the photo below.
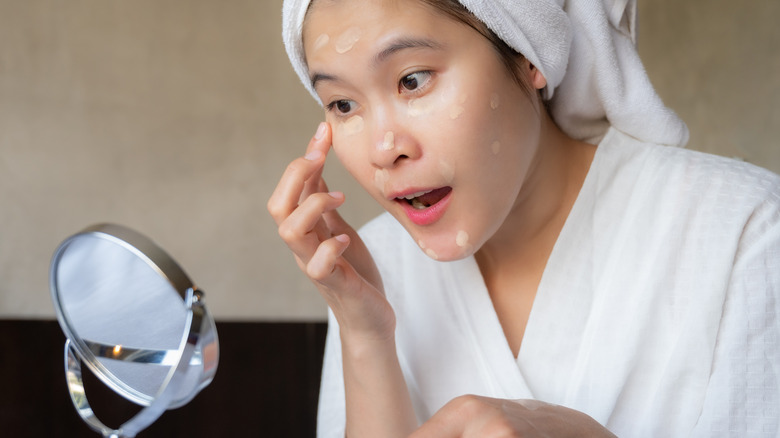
(350, 127)
(349, 144)
(347, 141)
(347, 136)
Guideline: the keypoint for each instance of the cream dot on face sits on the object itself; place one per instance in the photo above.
(389, 141)
(380, 179)
(347, 39)
(447, 170)
(496, 147)
(419, 107)
(320, 42)
(495, 101)
(352, 126)
(432, 254)
(462, 239)
(456, 111)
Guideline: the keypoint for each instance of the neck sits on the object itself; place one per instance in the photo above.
(525, 240)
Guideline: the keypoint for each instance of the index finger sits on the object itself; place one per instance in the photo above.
(314, 182)
(292, 184)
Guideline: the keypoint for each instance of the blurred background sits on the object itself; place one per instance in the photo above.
(177, 117)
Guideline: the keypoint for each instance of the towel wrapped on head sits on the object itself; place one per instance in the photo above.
(586, 50)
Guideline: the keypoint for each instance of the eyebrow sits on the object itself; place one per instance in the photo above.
(394, 47)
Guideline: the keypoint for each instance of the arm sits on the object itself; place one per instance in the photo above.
(743, 393)
(333, 256)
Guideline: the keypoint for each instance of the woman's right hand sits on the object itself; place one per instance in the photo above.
(327, 249)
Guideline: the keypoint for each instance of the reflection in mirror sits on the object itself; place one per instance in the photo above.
(132, 315)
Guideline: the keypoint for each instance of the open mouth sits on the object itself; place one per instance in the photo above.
(425, 199)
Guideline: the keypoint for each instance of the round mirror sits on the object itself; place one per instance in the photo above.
(133, 316)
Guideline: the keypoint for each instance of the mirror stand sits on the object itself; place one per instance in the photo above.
(191, 355)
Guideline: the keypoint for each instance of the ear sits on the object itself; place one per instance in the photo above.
(536, 79)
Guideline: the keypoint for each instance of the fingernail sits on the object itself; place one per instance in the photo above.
(320, 131)
(313, 155)
(336, 195)
(343, 238)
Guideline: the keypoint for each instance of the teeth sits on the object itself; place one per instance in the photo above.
(416, 204)
(414, 195)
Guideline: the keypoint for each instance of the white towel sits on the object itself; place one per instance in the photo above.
(584, 48)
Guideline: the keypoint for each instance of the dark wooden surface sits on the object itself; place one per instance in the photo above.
(266, 385)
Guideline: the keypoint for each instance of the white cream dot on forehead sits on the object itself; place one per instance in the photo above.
(320, 42)
(389, 141)
(352, 126)
(447, 170)
(496, 147)
(347, 39)
(462, 239)
(495, 100)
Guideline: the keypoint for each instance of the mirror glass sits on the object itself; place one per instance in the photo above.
(132, 315)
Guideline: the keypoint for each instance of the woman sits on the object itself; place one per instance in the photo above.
(548, 265)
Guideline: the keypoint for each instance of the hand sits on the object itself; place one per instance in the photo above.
(326, 248)
(473, 416)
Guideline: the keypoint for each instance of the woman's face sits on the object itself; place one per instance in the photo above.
(424, 115)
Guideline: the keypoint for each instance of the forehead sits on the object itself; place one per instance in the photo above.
(360, 22)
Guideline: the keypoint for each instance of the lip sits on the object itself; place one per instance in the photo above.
(428, 215)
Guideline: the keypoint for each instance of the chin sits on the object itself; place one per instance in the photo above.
(458, 254)
(444, 249)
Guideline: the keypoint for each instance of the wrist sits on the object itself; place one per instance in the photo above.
(372, 346)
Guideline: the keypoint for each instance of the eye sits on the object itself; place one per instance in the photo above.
(341, 106)
(414, 81)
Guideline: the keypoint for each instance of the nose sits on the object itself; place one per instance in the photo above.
(392, 144)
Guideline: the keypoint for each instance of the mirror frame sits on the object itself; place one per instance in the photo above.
(198, 346)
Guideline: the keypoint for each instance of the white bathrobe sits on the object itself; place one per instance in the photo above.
(657, 313)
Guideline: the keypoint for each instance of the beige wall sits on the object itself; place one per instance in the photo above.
(176, 117)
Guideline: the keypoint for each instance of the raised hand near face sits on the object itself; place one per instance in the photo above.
(327, 249)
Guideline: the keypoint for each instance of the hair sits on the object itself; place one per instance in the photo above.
(512, 59)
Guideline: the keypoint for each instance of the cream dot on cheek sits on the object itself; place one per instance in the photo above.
(352, 126)
(495, 101)
(347, 39)
(457, 109)
(389, 141)
(447, 170)
(496, 147)
(380, 179)
(419, 107)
